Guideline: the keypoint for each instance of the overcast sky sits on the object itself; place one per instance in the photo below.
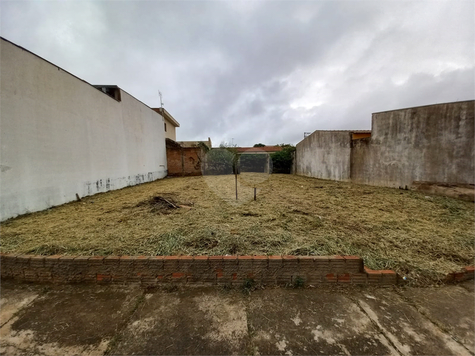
(245, 72)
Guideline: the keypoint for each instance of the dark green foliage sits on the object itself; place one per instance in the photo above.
(204, 147)
(282, 161)
(259, 145)
(299, 282)
(248, 286)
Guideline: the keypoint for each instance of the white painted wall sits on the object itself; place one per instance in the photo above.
(61, 136)
(171, 130)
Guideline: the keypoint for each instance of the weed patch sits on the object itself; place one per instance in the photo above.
(248, 286)
(298, 282)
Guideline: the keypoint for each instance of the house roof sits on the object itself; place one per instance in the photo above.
(258, 149)
(167, 116)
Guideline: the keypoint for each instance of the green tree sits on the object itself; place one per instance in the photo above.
(259, 145)
(282, 160)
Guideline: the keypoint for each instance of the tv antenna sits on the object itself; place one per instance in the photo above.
(161, 102)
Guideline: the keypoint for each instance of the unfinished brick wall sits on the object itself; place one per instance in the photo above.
(183, 161)
(174, 164)
(228, 270)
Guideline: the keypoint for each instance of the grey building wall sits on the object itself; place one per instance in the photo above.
(432, 143)
(61, 136)
(324, 154)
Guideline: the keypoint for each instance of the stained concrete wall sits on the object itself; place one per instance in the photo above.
(325, 155)
(61, 136)
(432, 143)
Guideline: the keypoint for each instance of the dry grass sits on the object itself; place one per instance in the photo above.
(418, 236)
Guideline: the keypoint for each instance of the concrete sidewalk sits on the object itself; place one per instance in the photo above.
(97, 320)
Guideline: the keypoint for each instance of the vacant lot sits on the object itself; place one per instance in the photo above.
(420, 236)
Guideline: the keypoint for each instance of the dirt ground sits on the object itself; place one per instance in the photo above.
(420, 236)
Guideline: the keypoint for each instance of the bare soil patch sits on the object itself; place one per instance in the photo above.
(418, 235)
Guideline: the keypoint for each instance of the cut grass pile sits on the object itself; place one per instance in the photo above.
(419, 236)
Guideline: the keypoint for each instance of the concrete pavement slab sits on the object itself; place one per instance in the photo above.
(468, 285)
(67, 320)
(450, 307)
(15, 296)
(96, 320)
(312, 322)
(408, 330)
(198, 321)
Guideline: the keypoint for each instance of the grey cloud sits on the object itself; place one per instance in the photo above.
(239, 69)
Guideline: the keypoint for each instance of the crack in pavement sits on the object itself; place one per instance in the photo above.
(42, 293)
(436, 324)
(390, 338)
(403, 349)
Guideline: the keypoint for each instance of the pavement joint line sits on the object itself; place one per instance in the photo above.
(381, 329)
(438, 325)
(42, 293)
(250, 329)
(118, 334)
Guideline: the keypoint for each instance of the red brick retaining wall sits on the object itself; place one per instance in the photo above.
(465, 274)
(231, 270)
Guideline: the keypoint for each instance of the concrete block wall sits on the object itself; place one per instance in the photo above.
(325, 155)
(60, 136)
(433, 144)
(212, 270)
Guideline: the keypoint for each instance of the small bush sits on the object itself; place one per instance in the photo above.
(282, 160)
(299, 282)
(249, 285)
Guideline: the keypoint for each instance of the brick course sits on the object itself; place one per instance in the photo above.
(230, 270)
(465, 274)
